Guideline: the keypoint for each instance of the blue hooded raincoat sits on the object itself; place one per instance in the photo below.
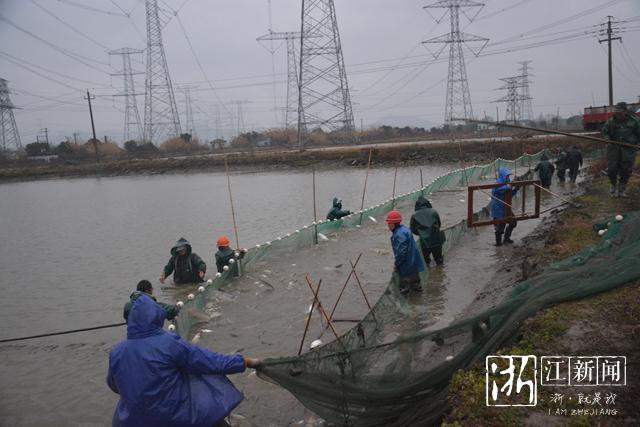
(498, 210)
(164, 381)
(407, 257)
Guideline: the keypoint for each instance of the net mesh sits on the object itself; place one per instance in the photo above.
(387, 372)
(308, 235)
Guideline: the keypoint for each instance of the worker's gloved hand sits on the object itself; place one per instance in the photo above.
(201, 274)
(252, 362)
(162, 278)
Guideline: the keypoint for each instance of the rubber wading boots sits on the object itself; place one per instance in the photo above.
(498, 239)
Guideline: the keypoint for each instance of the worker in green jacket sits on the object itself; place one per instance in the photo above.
(186, 266)
(426, 224)
(145, 287)
(336, 211)
(624, 126)
(545, 171)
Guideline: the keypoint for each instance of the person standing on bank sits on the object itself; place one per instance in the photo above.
(408, 262)
(163, 381)
(186, 266)
(624, 126)
(499, 209)
(561, 164)
(545, 171)
(574, 163)
(425, 223)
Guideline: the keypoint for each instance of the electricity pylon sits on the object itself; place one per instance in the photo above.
(458, 103)
(8, 128)
(291, 111)
(526, 110)
(131, 114)
(513, 98)
(323, 91)
(161, 120)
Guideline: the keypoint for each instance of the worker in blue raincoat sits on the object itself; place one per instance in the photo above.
(408, 262)
(164, 381)
(499, 209)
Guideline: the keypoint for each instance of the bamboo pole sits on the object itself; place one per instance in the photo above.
(315, 215)
(353, 268)
(556, 195)
(306, 327)
(366, 178)
(555, 132)
(324, 313)
(333, 310)
(393, 195)
(233, 212)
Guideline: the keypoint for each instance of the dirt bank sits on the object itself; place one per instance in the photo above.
(402, 153)
(606, 324)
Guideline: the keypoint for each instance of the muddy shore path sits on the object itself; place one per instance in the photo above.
(263, 313)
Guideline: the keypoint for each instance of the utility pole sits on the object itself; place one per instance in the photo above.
(458, 103)
(75, 137)
(609, 32)
(93, 126)
(46, 135)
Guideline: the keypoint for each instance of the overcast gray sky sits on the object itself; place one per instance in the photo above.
(393, 78)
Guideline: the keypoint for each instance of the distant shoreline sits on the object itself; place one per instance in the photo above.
(403, 154)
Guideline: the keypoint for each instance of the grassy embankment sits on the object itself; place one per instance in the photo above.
(606, 324)
(352, 156)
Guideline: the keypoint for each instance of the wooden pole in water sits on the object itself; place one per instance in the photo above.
(324, 313)
(366, 178)
(421, 183)
(333, 310)
(393, 195)
(315, 216)
(355, 274)
(306, 327)
(233, 212)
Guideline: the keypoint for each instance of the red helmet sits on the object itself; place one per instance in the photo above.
(394, 217)
(223, 241)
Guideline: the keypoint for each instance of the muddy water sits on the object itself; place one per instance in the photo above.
(73, 250)
(280, 281)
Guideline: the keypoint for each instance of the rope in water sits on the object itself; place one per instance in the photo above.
(73, 331)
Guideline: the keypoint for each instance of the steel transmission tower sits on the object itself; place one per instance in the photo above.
(458, 104)
(189, 122)
(161, 120)
(513, 98)
(131, 114)
(290, 119)
(9, 129)
(526, 110)
(323, 91)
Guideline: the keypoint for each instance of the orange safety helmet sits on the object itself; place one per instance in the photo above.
(223, 241)
(394, 217)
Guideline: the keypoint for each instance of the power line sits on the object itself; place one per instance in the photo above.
(71, 27)
(198, 60)
(68, 53)
(66, 76)
(92, 9)
(38, 73)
